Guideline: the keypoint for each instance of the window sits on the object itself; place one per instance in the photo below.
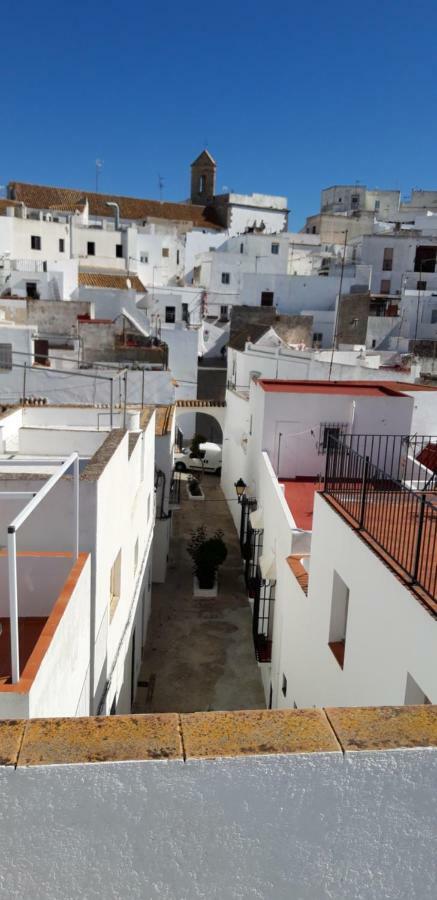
(313, 229)
(317, 337)
(226, 278)
(241, 248)
(144, 257)
(425, 258)
(115, 585)
(275, 249)
(165, 252)
(267, 298)
(377, 205)
(338, 622)
(136, 555)
(414, 696)
(119, 251)
(355, 200)
(5, 356)
(387, 262)
(223, 313)
(421, 285)
(35, 242)
(91, 248)
(185, 313)
(61, 245)
(202, 184)
(177, 257)
(32, 290)
(327, 430)
(373, 343)
(385, 286)
(433, 316)
(284, 685)
(170, 314)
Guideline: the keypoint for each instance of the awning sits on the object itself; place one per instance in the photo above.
(267, 564)
(256, 518)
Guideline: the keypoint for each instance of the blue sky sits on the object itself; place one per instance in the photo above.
(289, 97)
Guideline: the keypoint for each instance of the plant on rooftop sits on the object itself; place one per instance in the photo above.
(207, 553)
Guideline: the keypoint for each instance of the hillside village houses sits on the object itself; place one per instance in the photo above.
(127, 326)
(107, 304)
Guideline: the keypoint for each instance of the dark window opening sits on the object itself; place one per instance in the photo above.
(425, 259)
(421, 285)
(275, 249)
(91, 248)
(119, 251)
(32, 290)
(35, 242)
(284, 685)
(226, 278)
(170, 314)
(387, 262)
(185, 313)
(267, 298)
(61, 245)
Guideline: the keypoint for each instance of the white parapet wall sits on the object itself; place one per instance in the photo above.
(305, 804)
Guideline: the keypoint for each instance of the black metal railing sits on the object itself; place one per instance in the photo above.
(409, 459)
(248, 505)
(262, 621)
(381, 503)
(175, 490)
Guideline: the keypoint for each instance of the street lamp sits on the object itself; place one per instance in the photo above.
(240, 487)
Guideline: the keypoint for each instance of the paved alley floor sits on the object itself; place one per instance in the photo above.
(199, 653)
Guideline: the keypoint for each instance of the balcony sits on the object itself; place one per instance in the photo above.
(386, 487)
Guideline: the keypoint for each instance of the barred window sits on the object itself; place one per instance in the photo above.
(5, 356)
(330, 429)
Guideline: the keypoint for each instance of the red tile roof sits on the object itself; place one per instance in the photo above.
(299, 495)
(37, 196)
(351, 388)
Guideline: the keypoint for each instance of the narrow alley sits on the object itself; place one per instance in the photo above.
(199, 653)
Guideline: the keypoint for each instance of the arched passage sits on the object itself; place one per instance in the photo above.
(205, 417)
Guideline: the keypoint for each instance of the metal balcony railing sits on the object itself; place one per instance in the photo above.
(393, 505)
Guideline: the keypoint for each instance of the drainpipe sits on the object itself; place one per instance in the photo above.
(116, 208)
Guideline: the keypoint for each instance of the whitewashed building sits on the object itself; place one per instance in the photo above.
(99, 638)
(276, 441)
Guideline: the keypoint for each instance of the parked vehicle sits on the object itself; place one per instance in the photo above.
(208, 460)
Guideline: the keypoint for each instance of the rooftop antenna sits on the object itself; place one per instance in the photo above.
(160, 187)
(99, 165)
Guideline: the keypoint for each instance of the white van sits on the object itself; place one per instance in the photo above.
(210, 461)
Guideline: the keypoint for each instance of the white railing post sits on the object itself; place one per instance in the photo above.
(13, 604)
(76, 507)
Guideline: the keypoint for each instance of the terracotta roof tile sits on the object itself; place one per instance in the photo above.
(37, 196)
(106, 280)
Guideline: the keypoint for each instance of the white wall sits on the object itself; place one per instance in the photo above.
(378, 656)
(354, 826)
(40, 580)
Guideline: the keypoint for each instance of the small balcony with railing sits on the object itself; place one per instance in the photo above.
(385, 486)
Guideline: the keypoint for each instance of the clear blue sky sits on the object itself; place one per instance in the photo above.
(290, 97)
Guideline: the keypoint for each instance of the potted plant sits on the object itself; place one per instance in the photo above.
(195, 451)
(207, 553)
(194, 490)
